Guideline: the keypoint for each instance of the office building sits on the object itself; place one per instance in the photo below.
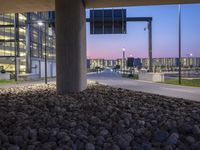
(22, 43)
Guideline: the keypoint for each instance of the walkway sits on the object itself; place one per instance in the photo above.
(115, 80)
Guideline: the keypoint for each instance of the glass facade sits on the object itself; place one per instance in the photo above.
(21, 32)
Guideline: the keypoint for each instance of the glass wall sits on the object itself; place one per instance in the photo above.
(13, 33)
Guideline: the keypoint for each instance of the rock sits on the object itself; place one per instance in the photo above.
(141, 122)
(124, 141)
(31, 147)
(127, 122)
(115, 147)
(173, 139)
(95, 120)
(18, 140)
(146, 145)
(196, 130)
(100, 140)
(15, 147)
(107, 146)
(190, 139)
(46, 146)
(126, 115)
(80, 145)
(187, 128)
(196, 146)
(43, 134)
(101, 117)
(104, 132)
(61, 135)
(89, 146)
(3, 137)
(168, 147)
(160, 135)
(33, 134)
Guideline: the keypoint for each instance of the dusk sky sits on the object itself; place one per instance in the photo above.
(165, 34)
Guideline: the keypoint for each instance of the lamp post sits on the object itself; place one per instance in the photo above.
(41, 23)
(149, 28)
(179, 12)
(189, 56)
(124, 53)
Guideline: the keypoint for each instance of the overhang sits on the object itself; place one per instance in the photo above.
(47, 5)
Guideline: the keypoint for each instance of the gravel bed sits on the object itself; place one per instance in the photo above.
(101, 117)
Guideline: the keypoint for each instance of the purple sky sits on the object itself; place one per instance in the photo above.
(165, 34)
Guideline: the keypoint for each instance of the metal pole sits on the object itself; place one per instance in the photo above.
(28, 48)
(16, 45)
(179, 43)
(123, 62)
(150, 47)
(45, 56)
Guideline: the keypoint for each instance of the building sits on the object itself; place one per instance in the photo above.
(143, 62)
(97, 63)
(173, 62)
(110, 63)
(22, 43)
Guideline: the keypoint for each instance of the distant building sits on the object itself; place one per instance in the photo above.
(144, 62)
(130, 62)
(97, 63)
(137, 62)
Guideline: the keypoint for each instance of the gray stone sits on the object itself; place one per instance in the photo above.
(100, 140)
(15, 147)
(146, 145)
(127, 115)
(196, 130)
(33, 134)
(95, 121)
(141, 122)
(31, 147)
(190, 139)
(104, 132)
(173, 139)
(89, 146)
(115, 147)
(168, 147)
(124, 141)
(18, 140)
(3, 137)
(196, 146)
(161, 135)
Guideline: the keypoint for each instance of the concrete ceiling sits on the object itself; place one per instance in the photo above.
(46, 5)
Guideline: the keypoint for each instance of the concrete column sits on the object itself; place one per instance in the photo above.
(70, 46)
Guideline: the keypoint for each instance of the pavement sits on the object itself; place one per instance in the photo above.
(113, 79)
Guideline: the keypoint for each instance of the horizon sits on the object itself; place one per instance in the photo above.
(165, 34)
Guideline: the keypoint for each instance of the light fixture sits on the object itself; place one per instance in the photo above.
(40, 23)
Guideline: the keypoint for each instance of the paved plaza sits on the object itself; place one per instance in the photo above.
(115, 80)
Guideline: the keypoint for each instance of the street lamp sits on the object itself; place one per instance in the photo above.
(189, 55)
(42, 23)
(179, 28)
(124, 53)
